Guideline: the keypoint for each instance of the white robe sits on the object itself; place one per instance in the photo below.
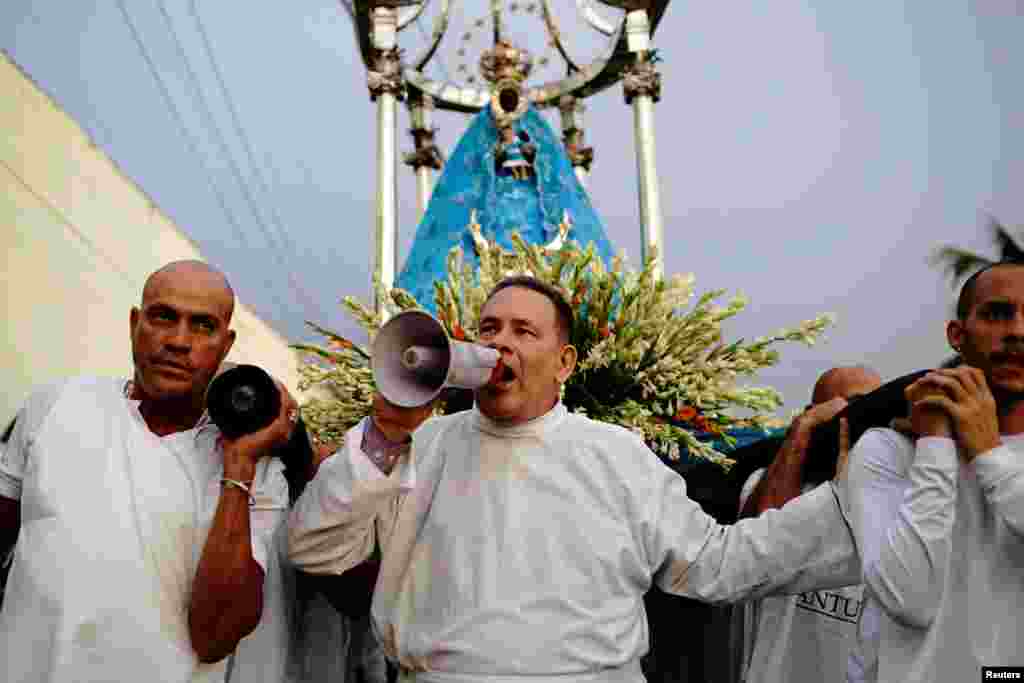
(805, 637)
(509, 552)
(114, 519)
(943, 549)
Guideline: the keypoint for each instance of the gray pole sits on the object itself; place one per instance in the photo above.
(580, 155)
(384, 80)
(641, 86)
(425, 157)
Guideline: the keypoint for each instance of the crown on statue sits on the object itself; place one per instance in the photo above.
(504, 62)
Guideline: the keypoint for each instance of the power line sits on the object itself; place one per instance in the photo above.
(189, 139)
(236, 171)
(236, 120)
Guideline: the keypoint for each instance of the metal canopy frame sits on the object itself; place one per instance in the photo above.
(391, 78)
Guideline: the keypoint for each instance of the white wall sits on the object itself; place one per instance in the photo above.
(78, 240)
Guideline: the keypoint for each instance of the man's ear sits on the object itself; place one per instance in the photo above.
(567, 359)
(956, 334)
(227, 346)
(133, 320)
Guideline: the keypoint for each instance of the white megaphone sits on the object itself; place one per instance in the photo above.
(413, 360)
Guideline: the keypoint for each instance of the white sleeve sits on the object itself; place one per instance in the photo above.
(804, 545)
(331, 527)
(750, 484)
(14, 454)
(1000, 473)
(903, 518)
(269, 508)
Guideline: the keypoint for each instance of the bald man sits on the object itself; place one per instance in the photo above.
(143, 534)
(806, 637)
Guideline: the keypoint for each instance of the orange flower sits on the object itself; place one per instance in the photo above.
(458, 332)
(605, 332)
(340, 343)
(577, 297)
(686, 413)
(706, 425)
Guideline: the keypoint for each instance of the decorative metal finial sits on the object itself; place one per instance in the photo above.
(506, 68)
(505, 62)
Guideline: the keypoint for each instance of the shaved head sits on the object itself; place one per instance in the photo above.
(180, 334)
(191, 274)
(844, 382)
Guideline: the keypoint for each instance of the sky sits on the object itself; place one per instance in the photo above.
(811, 154)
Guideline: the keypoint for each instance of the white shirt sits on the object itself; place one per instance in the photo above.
(806, 637)
(526, 550)
(113, 523)
(943, 551)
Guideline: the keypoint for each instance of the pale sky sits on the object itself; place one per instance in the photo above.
(810, 154)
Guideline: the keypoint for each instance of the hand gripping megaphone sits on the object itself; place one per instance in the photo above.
(414, 360)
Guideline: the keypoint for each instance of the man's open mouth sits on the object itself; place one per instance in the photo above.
(505, 377)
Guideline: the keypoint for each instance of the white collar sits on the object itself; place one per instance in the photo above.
(535, 427)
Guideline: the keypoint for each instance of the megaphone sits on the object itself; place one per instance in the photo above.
(413, 361)
(243, 399)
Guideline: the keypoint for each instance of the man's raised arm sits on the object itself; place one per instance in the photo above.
(227, 593)
(805, 545)
(903, 515)
(783, 479)
(331, 527)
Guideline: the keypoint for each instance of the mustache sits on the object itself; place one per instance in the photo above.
(1012, 354)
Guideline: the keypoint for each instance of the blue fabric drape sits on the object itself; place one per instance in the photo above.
(534, 207)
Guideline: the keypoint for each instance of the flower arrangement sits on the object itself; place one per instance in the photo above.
(649, 361)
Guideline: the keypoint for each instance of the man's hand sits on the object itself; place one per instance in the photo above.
(241, 454)
(799, 436)
(925, 419)
(783, 479)
(964, 399)
(395, 423)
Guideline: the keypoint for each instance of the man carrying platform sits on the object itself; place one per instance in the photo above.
(144, 537)
(519, 539)
(940, 518)
(805, 637)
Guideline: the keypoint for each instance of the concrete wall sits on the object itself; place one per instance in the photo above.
(78, 239)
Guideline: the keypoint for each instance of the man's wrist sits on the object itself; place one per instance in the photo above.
(939, 431)
(981, 449)
(240, 470)
(794, 448)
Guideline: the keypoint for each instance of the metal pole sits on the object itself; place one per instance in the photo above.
(579, 154)
(424, 187)
(384, 80)
(642, 88)
(647, 170)
(425, 157)
(386, 226)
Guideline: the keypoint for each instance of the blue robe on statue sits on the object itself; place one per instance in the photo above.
(533, 206)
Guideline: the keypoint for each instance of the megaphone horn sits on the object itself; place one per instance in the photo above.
(413, 360)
